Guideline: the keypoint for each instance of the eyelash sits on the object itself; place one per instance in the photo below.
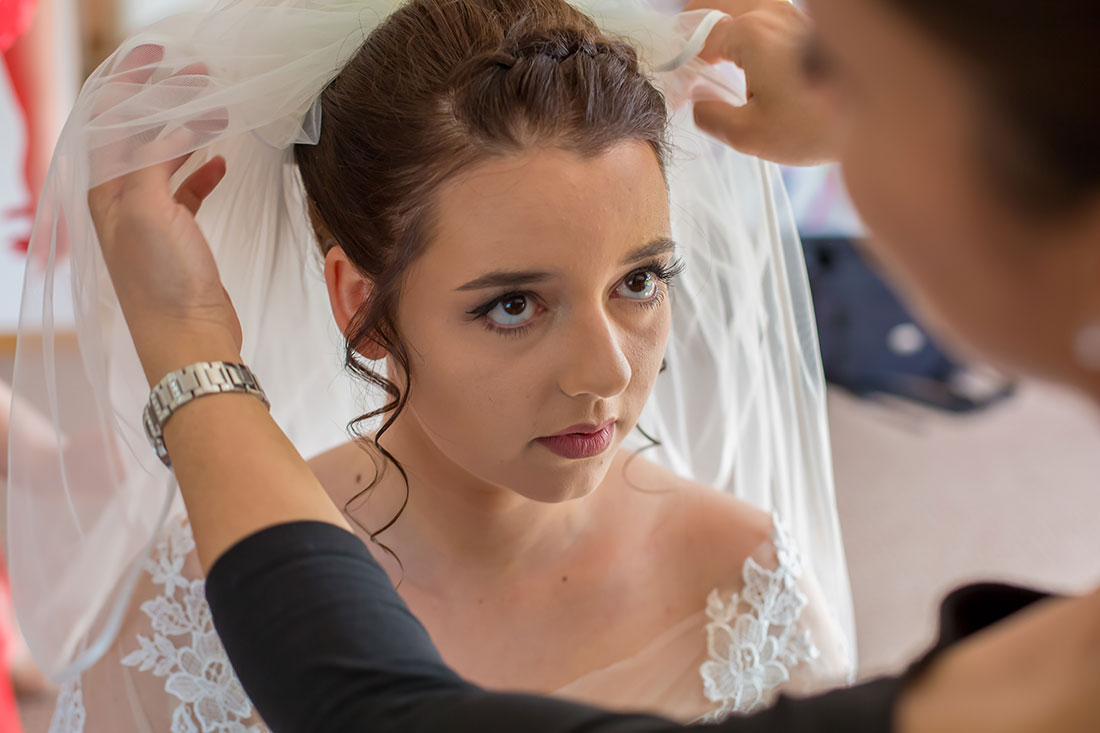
(666, 274)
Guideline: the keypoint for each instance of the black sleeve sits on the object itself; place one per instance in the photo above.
(972, 608)
(322, 643)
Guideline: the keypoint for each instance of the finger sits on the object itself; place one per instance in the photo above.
(133, 71)
(194, 75)
(194, 135)
(197, 186)
(186, 84)
(175, 91)
(738, 127)
(130, 83)
(726, 42)
(210, 125)
(139, 61)
(150, 163)
(156, 162)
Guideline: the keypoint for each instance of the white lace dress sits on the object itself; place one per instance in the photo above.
(768, 632)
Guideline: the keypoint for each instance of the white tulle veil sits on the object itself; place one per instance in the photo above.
(740, 407)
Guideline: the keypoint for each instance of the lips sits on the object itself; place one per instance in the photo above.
(580, 441)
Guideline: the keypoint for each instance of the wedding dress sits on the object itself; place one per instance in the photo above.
(767, 631)
(102, 561)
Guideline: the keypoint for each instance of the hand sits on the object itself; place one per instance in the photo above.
(161, 266)
(784, 120)
(1036, 672)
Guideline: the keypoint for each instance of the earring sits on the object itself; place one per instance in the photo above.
(1086, 347)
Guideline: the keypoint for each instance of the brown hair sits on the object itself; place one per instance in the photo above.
(1040, 65)
(439, 86)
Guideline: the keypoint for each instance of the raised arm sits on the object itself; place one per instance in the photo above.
(320, 638)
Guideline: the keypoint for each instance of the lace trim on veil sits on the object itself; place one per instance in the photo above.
(184, 649)
(69, 715)
(753, 639)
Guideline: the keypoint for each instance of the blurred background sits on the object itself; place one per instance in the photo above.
(945, 472)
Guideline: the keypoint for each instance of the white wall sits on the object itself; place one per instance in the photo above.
(13, 198)
(137, 14)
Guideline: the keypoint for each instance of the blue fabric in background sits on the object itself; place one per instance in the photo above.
(870, 344)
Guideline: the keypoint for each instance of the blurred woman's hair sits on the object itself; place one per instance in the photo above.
(1038, 66)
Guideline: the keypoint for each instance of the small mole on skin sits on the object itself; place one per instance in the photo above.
(358, 477)
(564, 578)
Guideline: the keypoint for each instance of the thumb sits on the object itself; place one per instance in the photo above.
(738, 127)
(725, 43)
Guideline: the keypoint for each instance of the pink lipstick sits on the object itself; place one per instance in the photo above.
(581, 441)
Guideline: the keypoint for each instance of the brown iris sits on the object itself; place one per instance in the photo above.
(515, 305)
(638, 282)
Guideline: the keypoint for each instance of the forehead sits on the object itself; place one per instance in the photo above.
(550, 206)
(846, 18)
(875, 37)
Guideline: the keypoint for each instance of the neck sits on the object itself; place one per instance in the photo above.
(458, 526)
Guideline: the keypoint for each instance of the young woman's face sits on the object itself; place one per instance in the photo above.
(989, 277)
(540, 305)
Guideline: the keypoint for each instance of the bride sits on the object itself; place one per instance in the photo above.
(529, 253)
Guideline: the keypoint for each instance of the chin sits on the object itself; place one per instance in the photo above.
(585, 482)
(569, 484)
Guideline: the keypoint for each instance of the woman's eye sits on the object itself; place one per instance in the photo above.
(641, 285)
(512, 310)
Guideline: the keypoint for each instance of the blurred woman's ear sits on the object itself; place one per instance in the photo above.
(348, 290)
(1087, 342)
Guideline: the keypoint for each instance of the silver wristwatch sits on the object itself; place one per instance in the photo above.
(197, 380)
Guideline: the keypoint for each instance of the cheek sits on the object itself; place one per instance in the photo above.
(653, 344)
(903, 178)
(937, 235)
(644, 347)
(460, 392)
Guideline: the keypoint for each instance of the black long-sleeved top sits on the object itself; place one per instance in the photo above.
(323, 644)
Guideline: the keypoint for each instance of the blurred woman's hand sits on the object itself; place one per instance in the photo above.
(161, 266)
(784, 120)
(1035, 672)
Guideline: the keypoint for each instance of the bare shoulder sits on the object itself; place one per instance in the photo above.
(706, 534)
(342, 470)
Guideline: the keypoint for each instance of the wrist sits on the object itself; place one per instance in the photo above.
(181, 387)
(172, 349)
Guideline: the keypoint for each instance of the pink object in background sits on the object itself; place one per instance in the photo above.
(9, 712)
(15, 19)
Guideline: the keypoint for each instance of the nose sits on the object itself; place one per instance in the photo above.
(592, 358)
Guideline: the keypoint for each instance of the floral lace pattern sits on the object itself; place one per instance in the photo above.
(69, 714)
(753, 642)
(185, 648)
(752, 639)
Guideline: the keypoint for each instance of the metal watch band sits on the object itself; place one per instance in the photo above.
(193, 381)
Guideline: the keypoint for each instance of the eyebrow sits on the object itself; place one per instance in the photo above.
(515, 278)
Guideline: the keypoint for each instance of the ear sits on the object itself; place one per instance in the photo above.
(348, 289)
